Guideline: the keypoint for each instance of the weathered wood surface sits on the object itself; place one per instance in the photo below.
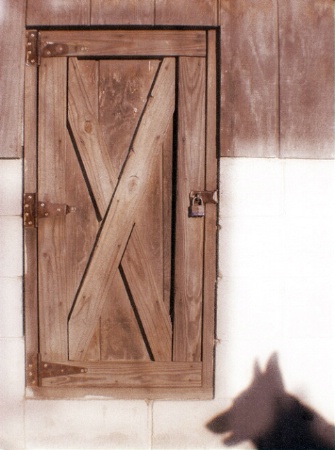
(130, 43)
(124, 87)
(58, 12)
(12, 47)
(147, 296)
(121, 338)
(210, 244)
(186, 12)
(30, 234)
(167, 187)
(133, 184)
(189, 231)
(52, 187)
(125, 12)
(249, 78)
(132, 374)
(306, 34)
(88, 136)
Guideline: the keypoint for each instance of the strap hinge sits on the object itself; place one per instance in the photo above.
(32, 48)
(34, 210)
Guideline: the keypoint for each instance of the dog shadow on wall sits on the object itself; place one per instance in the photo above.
(272, 419)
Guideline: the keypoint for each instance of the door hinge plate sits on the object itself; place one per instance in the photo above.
(49, 370)
(32, 48)
(34, 210)
(37, 369)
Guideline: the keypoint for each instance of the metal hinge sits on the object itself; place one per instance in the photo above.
(34, 210)
(38, 369)
(32, 48)
(48, 369)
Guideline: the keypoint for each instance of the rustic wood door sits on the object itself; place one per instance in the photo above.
(125, 278)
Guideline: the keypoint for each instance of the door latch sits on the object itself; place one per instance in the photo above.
(198, 200)
(34, 210)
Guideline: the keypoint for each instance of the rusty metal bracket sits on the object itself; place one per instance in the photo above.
(29, 211)
(32, 48)
(53, 49)
(205, 196)
(47, 209)
(32, 379)
(34, 210)
(49, 370)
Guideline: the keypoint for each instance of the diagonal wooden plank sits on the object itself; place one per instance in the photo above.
(148, 298)
(121, 338)
(120, 218)
(124, 86)
(89, 140)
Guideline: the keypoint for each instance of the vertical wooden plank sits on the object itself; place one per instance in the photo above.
(30, 234)
(189, 231)
(167, 171)
(58, 12)
(186, 12)
(125, 12)
(52, 187)
(210, 250)
(306, 30)
(12, 36)
(249, 78)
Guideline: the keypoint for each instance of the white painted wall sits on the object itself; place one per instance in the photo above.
(276, 292)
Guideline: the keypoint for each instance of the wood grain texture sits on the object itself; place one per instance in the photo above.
(120, 218)
(167, 171)
(210, 245)
(58, 12)
(124, 88)
(121, 338)
(30, 234)
(306, 31)
(130, 42)
(81, 229)
(132, 375)
(125, 12)
(249, 78)
(189, 231)
(52, 136)
(148, 297)
(12, 49)
(186, 12)
(90, 142)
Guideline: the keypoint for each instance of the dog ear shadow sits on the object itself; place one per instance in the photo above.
(271, 418)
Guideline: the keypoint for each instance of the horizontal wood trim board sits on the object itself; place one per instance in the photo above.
(120, 43)
(130, 393)
(131, 374)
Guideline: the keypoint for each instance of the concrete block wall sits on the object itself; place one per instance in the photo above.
(276, 293)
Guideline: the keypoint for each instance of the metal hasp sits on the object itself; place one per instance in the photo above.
(32, 53)
(198, 200)
(34, 210)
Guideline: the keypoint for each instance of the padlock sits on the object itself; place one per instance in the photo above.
(197, 208)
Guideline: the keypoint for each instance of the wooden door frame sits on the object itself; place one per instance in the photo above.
(210, 254)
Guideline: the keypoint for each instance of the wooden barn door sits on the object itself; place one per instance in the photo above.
(123, 138)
